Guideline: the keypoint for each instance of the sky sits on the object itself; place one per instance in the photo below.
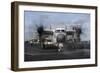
(32, 19)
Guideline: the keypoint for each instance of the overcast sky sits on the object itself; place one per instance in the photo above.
(34, 18)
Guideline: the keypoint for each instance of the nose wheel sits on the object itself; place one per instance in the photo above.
(60, 49)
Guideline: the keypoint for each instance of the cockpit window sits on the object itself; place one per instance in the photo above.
(60, 31)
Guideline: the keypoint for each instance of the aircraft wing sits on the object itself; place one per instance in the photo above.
(48, 32)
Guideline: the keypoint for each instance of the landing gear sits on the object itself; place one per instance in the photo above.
(60, 47)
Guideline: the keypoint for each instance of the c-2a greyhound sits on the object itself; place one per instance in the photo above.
(58, 36)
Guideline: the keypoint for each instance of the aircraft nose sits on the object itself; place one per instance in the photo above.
(60, 38)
